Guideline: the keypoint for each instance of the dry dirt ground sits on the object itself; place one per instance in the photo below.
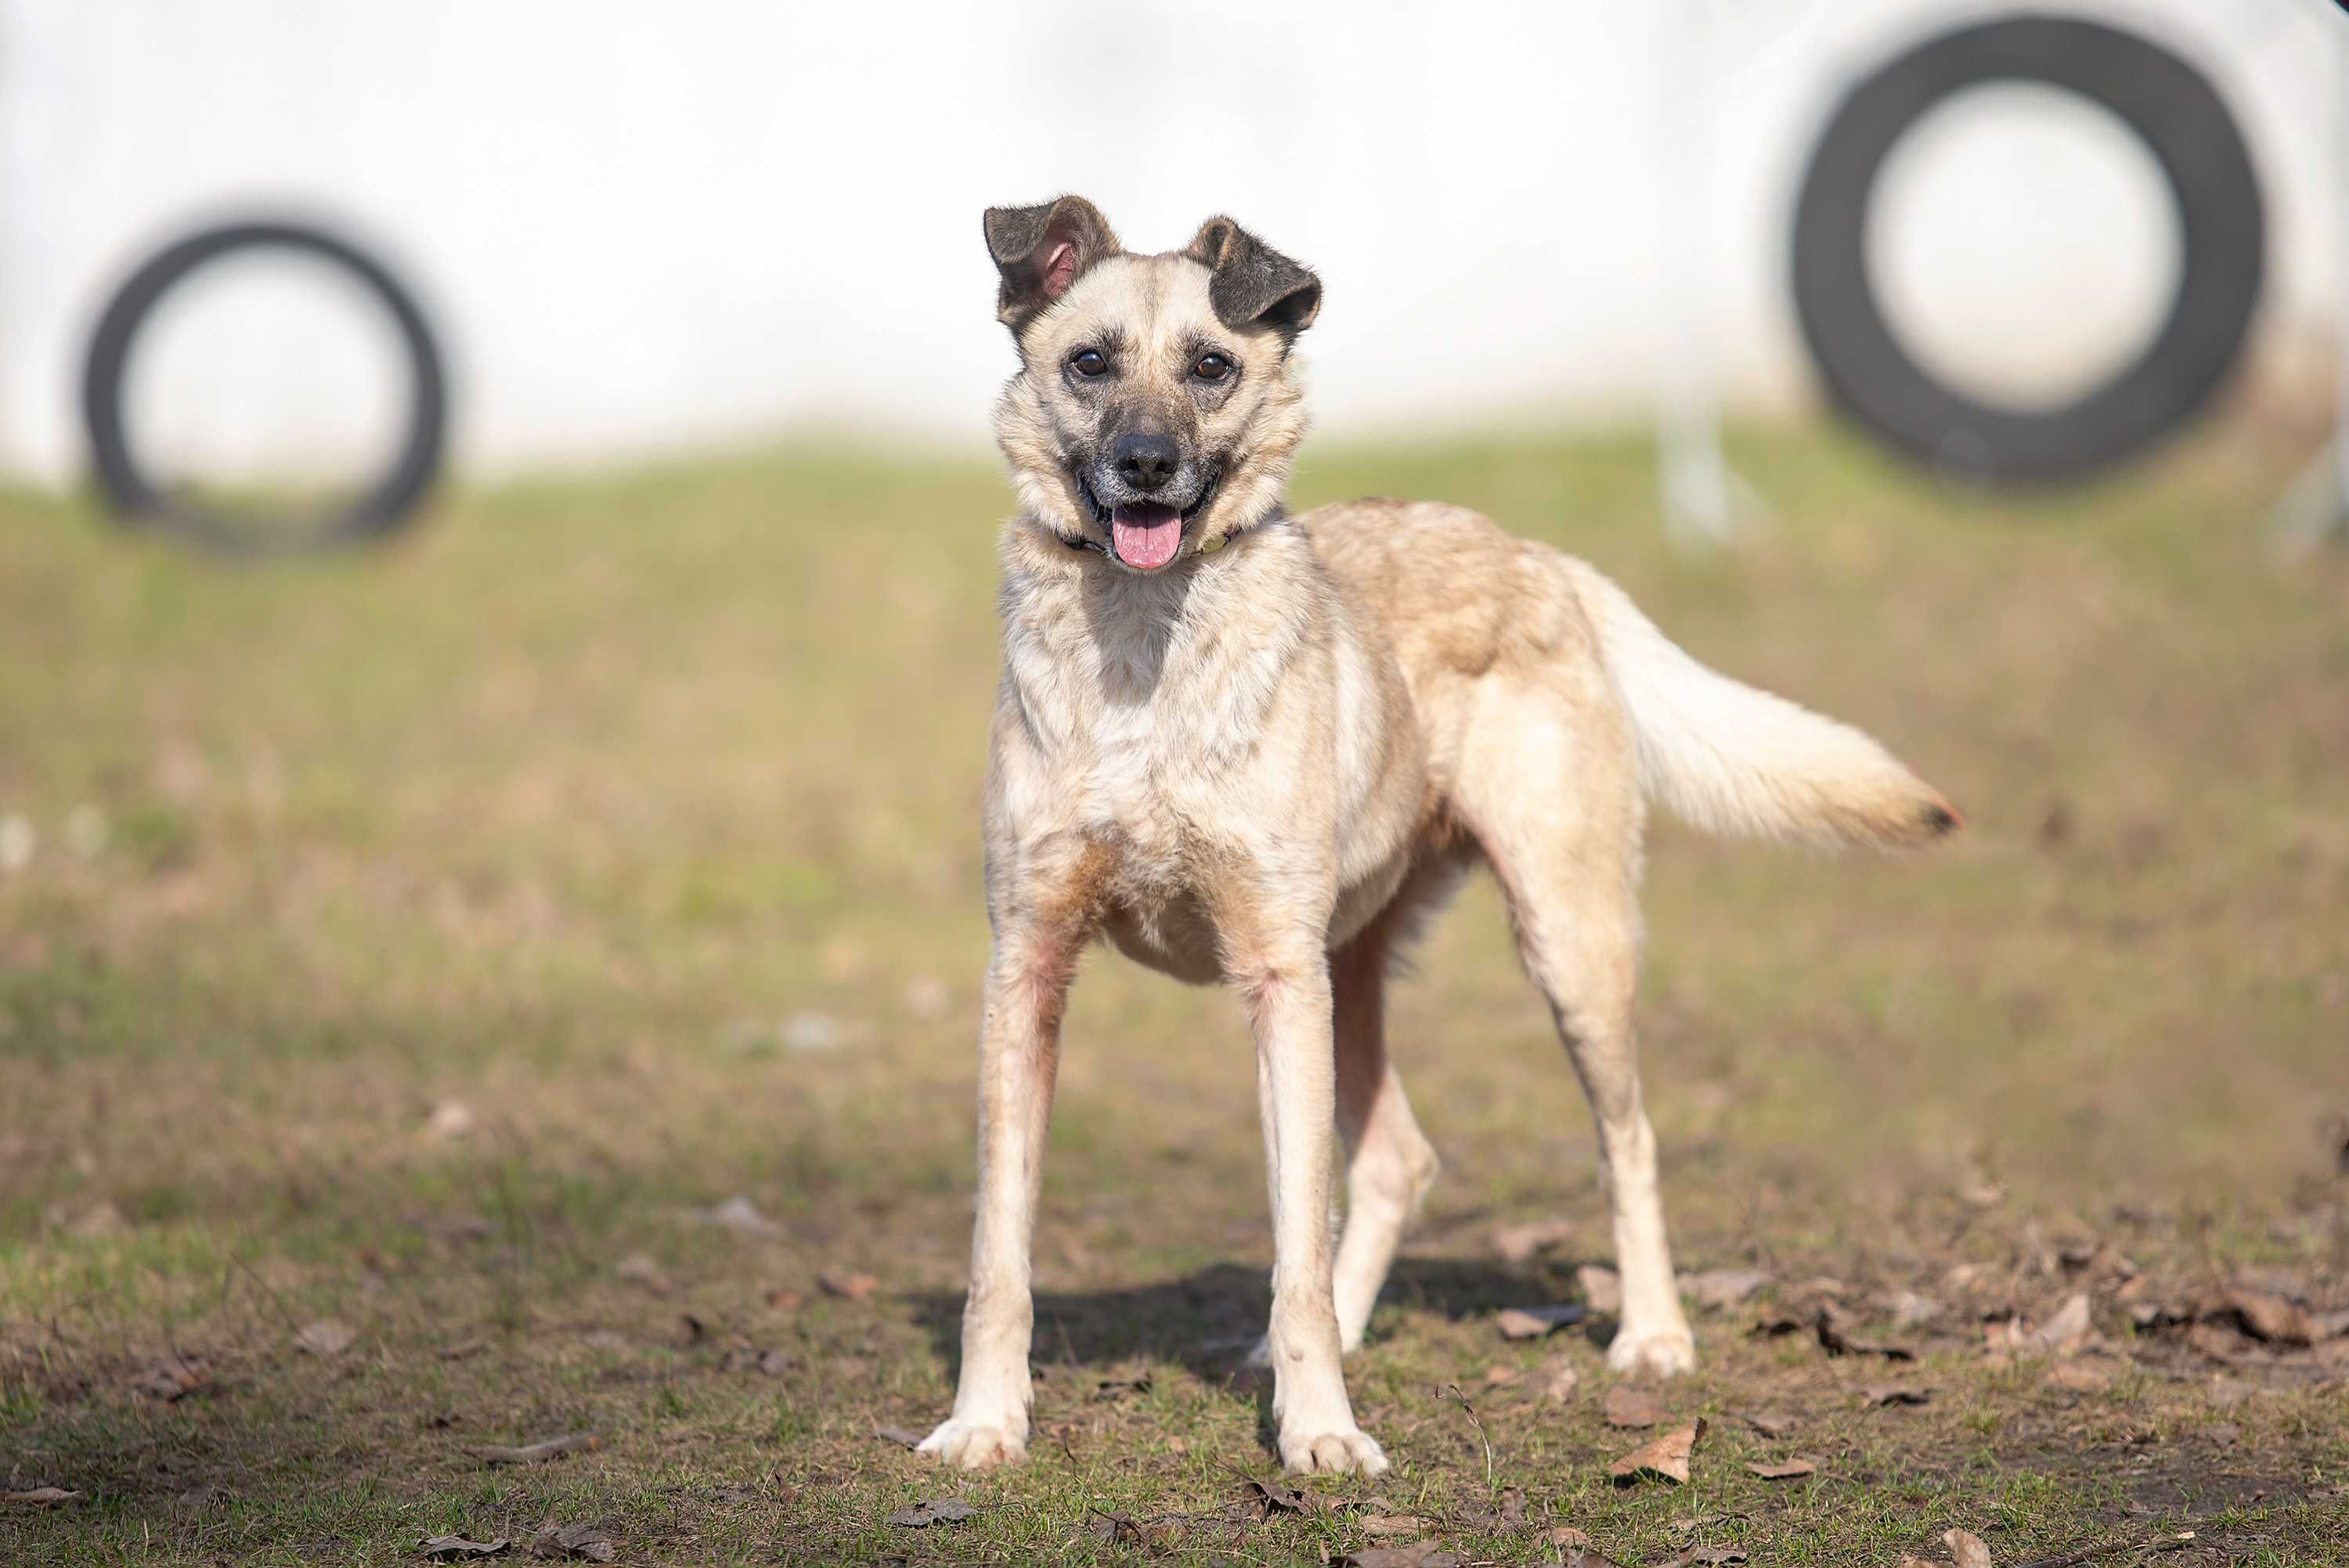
(521, 985)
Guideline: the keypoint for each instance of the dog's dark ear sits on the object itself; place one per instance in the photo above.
(1041, 250)
(1254, 284)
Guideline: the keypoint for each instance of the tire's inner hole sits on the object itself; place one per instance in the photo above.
(268, 384)
(2023, 244)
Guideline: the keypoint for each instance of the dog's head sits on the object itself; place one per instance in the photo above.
(1153, 411)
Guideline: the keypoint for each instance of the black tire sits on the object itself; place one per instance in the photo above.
(2183, 122)
(389, 499)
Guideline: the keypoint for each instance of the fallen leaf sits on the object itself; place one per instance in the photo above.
(534, 1454)
(1894, 1394)
(40, 1496)
(2224, 1434)
(450, 1548)
(2068, 1329)
(588, 1542)
(1499, 1377)
(2269, 1317)
(1715, 1290)
(1559, 1379)
(738, 1213)
(171, 1381)
(1516, 1243)
(1909, 1561)
(1966, 1549)
(1584, 1557)
(750, 1358)
(2223, 1342)
(1770, 1423)
(638, 1269)
(1783, 1469)
(2226, 1393)
(1602, 1288)
(2081, 1376)
(848, 1283)
(1629, 1406)
(1908, 1309)
(1533, 1322)
(326, 1338)
(783, 1300)
(1274, 1498)
(1119, 1387)
(1836, 1342)
(1705, 1557)
(1418, 1554)
(933, 1511)
(449, 1119)
(1666, 1458)
(1392, 1524)
(903, 1437)
(1567, 1535)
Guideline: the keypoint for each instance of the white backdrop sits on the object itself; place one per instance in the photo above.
(644, 228)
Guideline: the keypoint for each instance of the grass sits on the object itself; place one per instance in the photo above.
(414, 940)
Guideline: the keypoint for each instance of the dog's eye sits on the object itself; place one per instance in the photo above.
(1212, 368)
(1089, 363)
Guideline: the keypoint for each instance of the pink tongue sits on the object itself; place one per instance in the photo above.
(1145, 535)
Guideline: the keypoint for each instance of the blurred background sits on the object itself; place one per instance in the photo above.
(556, 905)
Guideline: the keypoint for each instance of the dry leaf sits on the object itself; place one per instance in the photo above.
(449, 1119)
(588, 1542)
(2081, 1376)
(171, 1381)
(1602, 1288)
(1967, 1549)
(1272, 1496)
(40, 1496)
(326, 1338)
(1894, 1394)
(738, 1213)
(1629, 1406)
(1516, 1243)
(903, 1437)
(1770, 1423)
(1836, 1342)
(1119, 1387)
(847, 1283)
(1392, 1524)
(451, 1548)
(1715, 1290)
(534, 1454)
(1785, 1469)
(1667, 1457)
(1706, 1557)
(2068, 1329)
(2223, 1434)
(1910, 1310)
(1499, 1377)
(637, 1268)
(933, 1511)
(1533, 1322)
(1584, 1557)
(1418, 1554)
(2269, 1317)
(1559, 1379)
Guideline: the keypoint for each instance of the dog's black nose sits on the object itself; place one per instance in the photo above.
(1145, 461)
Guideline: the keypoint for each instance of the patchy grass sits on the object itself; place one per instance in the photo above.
(414, 940)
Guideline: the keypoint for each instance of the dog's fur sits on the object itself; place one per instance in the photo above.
(1265, 761)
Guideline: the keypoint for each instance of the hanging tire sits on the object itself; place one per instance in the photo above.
(390, 496)
(2183, 122)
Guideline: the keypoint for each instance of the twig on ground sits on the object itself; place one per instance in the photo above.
(2090, 1554)
(1454, 1389)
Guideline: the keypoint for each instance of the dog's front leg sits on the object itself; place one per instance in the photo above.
(1288, 994)
(1018, 1053)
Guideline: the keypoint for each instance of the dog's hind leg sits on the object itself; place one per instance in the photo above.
(1390, 1165)
(1552, 796)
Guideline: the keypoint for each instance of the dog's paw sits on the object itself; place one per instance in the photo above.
(1666, 1354)
(966, 1446)
(1336, 1453)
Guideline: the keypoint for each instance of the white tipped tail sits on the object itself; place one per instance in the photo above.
(1730, 758)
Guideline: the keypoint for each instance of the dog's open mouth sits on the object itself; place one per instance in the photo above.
(1146, 534)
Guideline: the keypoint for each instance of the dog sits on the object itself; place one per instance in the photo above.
(1259, 750)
